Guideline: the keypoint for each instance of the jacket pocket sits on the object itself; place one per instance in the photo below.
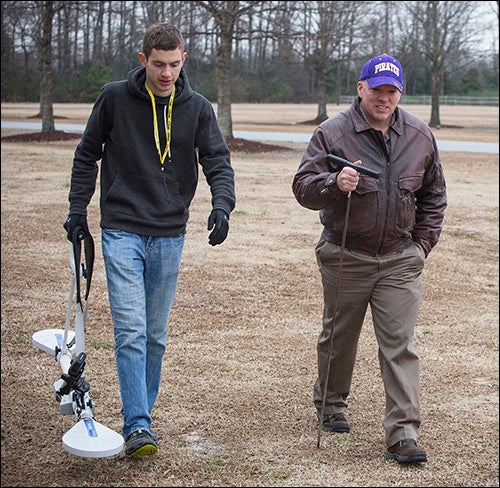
(405, 212)
(144, 198)
(363, 212)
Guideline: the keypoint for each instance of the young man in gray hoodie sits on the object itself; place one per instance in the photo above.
(151, 133)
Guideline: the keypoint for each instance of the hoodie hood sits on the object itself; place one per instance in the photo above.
(136, 79)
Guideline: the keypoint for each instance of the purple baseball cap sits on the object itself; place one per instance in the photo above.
(383, 70)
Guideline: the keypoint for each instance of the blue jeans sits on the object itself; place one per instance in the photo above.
(142, 274)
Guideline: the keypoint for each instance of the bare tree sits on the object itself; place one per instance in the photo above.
(328, 28)
(225, 14)
(446, 29)
(45, 43)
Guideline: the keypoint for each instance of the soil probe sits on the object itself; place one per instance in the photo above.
(374, 174)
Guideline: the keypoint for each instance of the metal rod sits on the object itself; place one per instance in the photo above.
(337, 291)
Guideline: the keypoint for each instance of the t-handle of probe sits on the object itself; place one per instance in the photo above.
(358, 167)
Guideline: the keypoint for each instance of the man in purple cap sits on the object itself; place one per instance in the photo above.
(376, 235)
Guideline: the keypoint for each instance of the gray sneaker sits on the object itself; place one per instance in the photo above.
(140, 443)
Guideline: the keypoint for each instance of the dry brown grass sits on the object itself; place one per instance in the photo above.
(235, 407)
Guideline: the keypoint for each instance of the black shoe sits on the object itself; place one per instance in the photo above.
(335, 422)
(406, 451)
(140, 443)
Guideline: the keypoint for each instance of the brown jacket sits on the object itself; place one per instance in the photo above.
(406, 203)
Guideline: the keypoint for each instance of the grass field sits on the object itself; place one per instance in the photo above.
(235, 406)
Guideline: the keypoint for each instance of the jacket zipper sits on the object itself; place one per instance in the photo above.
(388, 192)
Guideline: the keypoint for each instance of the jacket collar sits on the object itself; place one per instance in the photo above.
(361, 122)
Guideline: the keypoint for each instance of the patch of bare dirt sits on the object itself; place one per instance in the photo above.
(49, 136)
(234, 144)
(235, 405)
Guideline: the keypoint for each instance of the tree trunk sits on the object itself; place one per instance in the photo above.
(322, 98)
(436, 88)
(224, 84)
(46, 108)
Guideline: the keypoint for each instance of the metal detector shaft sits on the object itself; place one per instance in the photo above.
(358, 167)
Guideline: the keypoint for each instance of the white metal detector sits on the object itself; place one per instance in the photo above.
(87, 438)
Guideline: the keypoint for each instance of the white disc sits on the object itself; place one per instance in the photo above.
(88, 438)
(48, 339)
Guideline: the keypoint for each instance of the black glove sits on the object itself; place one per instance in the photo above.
(219, 221)
(76, 222)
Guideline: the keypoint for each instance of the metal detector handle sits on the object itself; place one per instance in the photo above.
(78, 234)
(89, 251)
(76, 242)
(358, 167)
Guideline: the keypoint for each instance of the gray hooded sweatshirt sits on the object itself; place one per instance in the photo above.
(137, 193)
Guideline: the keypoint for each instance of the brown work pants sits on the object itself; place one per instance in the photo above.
(392, 285)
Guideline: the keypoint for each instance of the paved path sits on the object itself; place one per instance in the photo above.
(456, 146)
